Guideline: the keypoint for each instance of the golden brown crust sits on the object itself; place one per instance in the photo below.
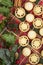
(34, 58)
(41, 31)
(36, 43)
(23, 41)
(20, 12)
(38, 10)
(38, 23)
(24, 26)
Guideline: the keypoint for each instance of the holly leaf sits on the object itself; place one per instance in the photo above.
(9, 38)
(7, 57)
(37, 1)
(2, 25)
(4, 10)
(7, 3)
(41, 61)
(4, 57)
(14, 49)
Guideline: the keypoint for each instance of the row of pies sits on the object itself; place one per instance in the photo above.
(36, 43)
(34, 58)
(28, 6)
(38, 23)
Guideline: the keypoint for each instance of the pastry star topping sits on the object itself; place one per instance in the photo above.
(28, 6)
(32, 34)
(29, 18)
(26, 51)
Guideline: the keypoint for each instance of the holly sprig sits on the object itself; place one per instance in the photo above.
(7, 57)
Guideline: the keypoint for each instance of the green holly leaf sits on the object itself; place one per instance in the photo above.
(2, 25)
(4, 57)
(14, 49)
(41, 61)
(7, 3)
(9, 38)
(4, 10)
(37, 1)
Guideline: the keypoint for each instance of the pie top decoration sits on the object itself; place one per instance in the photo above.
(36, 43)
(38, 10)
(32, 1)
(41, 31)
(23, 41)
(30, 17)
(28, 6)
(32, 34)
(34, 58)
(24, 26)
(20, 12)
(38, 23)
(26, 51)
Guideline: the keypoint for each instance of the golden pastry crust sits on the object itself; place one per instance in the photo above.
(24, 26)
(34, 58)
(20, 12)
(36, 43)
(32, 34)
(38, 23)
(26, 51)
(23, 41)
(39, 64)
(27, 64)
(38, 10)
(42, 53)
(30, 18)
(41, 31)
(32, 1)
(28, 6)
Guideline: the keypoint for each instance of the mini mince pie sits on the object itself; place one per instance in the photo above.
(26, 51)
(38, 23)
(23, 41)
(24, 26)
(41, 31)
(36, 43)
(38, 10)
(34, 58)
(32, 34)
(28, 6)
(29, 18)
(20, 12)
